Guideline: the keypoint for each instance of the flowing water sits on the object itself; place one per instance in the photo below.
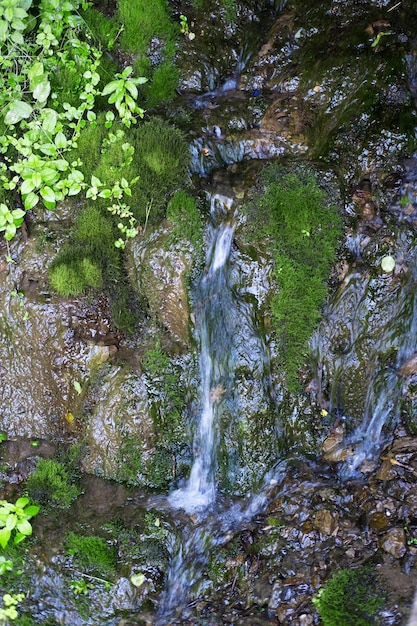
(210, 519)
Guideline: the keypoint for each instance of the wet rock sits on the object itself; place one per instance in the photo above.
(159, 271)
(409, 368)
(326, 522)
(119, 413)
(394, 542)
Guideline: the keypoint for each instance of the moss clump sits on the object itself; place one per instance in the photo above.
(163, 85)
(303, 229)
(92, 553)
(147, 27)
(51, 485)
(182, 211)
(350, 598)
(103, 30)
(72, 276)
(94, 228)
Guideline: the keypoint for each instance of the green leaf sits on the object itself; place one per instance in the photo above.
(11, 521)
(27, 186)
(110, 87)
(49, 149)
(30, 201)
(33, 509)
(47, 194)
(4, 29)
(60, 141)
(77, 386)
(42, 91)
(137, 579)
(10, 232)
(21, 502)
(4, 537)
(132, 88)
(49, 175)
(49, 205)
(36, 69)
(24, 527)
(19, 537)
(50, 118)
(18, 111)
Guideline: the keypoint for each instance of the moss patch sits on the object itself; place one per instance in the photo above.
(349, 598)
(303, 229)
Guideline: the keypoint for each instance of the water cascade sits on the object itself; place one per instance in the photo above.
(219, 320)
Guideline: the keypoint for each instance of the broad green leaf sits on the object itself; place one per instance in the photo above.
(95, 182)
(132, 88)
(49, 205)
(9, 13)
(4, 537)
(4, 29)
(24, 527)
(49, 175)
(106, 193)
(10, 232)
(61, 164)
(18, 111)
(77, 386)
(74, 189)
(140, 80)
(31, 511)
(19, 537)
(36, 69)
(42, 91)
(47, 194)
(17, 38)
(110, 87)
(18, 214)
(11, 521)
(27, 186)
(60, 140)
(49, 149)
(30, 200)
(50, 118)
(26, 4)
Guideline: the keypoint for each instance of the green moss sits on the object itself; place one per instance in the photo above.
(92, 553)
(94, 228)
(182, 211)
(130, 462)
(103, 30)
(51, 485)
(71, 274)
(143, 20)
(350, 598)
(161, 89)
(161, 160)
(303, 229)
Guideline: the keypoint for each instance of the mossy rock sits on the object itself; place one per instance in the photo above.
(350, 598)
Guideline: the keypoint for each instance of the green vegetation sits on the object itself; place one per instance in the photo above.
(91, 553)
(143, 23)
(350, 598)
(51, 484)
(182, 211)
(74, 276)
(303, 229)
(14, 521)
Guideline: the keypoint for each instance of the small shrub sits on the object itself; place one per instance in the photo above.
(349, 598)
(50, 484)
(92, 553)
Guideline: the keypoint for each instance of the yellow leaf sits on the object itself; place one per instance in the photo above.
(69, 417)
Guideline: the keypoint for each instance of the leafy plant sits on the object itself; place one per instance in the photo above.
(14, 520)
(80, 586)
(10, 602)
(123, 94)
(350, 598)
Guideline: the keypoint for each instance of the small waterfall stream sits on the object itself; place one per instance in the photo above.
(212, 316)
(206, 520)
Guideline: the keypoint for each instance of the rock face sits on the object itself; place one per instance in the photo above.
(119, 414)
(47, 345)
(159, 271)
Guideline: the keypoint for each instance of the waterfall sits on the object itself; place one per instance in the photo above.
(212, 313)
(207, 521)
(382, 403)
